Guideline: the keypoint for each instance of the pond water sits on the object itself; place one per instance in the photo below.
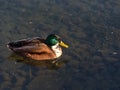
(90, 27)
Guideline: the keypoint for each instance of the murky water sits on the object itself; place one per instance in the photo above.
(90, 27)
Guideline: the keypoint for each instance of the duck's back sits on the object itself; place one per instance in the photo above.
(25, 42)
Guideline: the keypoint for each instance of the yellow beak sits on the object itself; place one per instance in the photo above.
(63, 44)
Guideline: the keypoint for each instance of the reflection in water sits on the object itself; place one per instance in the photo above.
(54, 64)
(22, 73)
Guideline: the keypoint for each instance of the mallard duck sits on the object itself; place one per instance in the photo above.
(39, 49)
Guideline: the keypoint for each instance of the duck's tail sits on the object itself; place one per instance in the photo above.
(12, 45)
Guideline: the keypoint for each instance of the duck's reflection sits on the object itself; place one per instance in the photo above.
(50, 64)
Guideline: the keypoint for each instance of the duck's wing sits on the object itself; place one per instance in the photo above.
(32, 48)
(37, 50)
(34, 45)
(25, 42)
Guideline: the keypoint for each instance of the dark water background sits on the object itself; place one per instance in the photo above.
(90, 27)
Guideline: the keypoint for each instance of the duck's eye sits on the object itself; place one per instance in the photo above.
(59, 39)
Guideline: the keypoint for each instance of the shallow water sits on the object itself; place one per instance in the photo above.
(92, 30)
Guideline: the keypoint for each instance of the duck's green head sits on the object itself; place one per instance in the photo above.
(54, 39)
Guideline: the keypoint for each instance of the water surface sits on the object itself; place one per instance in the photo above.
(92, 30)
